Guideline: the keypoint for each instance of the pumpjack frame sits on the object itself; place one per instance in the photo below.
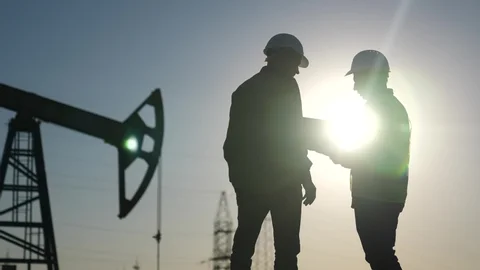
(23, 153)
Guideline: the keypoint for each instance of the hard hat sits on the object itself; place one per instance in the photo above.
(369, 60)
(284, 40)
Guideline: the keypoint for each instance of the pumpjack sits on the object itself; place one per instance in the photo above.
(23, 152)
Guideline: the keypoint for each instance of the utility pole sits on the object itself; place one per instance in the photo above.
(158, 235)
(136, 266)
(157, 238)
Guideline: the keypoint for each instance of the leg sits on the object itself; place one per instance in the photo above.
(252, 210)
(376, 224)
(286, 214)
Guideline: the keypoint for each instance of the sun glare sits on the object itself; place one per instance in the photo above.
(351, 124)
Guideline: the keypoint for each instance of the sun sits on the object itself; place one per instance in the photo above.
(352, 124)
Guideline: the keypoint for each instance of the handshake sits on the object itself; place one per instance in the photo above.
(318, 138)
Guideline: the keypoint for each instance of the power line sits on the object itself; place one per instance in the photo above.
(95, 251)
(99, 188)
(63, 186)
(190, 261)
(102, 229)
(102, 163)
(145, 233)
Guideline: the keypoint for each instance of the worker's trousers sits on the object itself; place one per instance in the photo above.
(376, 224)
(284, 205)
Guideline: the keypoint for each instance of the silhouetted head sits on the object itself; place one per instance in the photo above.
(285, 53)
(370, 71)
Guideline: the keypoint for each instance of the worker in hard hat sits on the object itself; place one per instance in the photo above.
(267, 156)
(379, 170)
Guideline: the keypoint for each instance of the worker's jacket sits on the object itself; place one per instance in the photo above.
(379, 171)
(265, 145)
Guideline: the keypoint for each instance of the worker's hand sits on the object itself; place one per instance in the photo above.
(310, 193)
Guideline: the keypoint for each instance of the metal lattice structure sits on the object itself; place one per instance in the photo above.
(26, 194)
(264, 250)
(223, 235)
(223, 241)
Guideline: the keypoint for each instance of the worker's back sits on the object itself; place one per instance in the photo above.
(387, 180)
(265, 134)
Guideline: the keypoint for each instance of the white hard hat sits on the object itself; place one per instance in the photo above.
(369, 60)
(284, 40)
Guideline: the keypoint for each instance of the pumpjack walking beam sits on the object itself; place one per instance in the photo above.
(113, 132)
(28, 161)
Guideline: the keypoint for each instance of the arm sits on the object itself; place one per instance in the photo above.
(244, 128)
(316, 137)
(307, 180)
(301, 139)
(236, 125)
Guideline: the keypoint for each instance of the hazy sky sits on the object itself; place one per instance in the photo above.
(106, 56)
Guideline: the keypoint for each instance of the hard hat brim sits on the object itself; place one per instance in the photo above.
(304, 63)
(360, 70)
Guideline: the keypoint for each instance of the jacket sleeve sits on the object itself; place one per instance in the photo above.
(303, 144)
(300, 137)
(239, 144)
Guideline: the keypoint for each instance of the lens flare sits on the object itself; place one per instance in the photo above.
(131, 144)
(352, 125)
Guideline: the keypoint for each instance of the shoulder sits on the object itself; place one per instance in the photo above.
(398, 115)
(391, 108)
(393, 114)
(247, 86)
(253, 87)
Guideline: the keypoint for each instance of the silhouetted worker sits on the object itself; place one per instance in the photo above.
(379, 171)
(267, 156)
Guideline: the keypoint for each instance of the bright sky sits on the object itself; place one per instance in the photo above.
(106, 56)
